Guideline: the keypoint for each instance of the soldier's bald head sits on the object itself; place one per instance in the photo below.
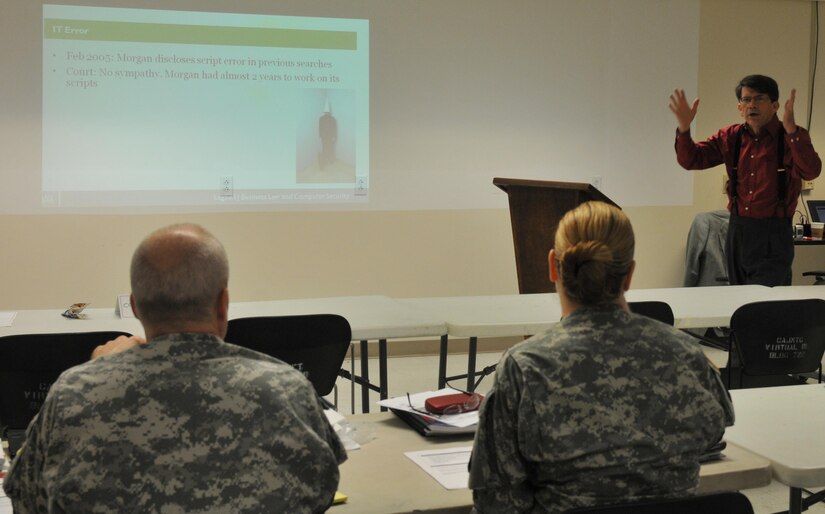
(177, 274)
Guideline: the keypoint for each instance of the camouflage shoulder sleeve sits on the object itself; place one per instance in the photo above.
(713, 381)
(25, 484)
(498, 474)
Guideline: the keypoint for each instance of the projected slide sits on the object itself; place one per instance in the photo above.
(171, 108)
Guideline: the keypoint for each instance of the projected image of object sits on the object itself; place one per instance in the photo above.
(326, 137)
(328, 131)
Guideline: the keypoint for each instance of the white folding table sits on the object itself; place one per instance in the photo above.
(784, 425)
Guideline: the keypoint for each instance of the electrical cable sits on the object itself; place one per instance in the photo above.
(483, 373)
(807, 215)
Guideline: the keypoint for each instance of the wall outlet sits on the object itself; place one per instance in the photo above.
(227, 187)
(807, 185)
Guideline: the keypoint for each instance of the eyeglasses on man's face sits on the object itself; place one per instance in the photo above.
(756, 99)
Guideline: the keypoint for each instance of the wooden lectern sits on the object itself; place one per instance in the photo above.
(536, 207)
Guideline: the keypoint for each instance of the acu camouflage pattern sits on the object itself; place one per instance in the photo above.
(606, 406)
(187, 423)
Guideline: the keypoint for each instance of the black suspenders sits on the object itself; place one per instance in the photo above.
(781, 174)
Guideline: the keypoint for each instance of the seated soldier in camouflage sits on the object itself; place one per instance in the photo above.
(606, 406)
(181, 422)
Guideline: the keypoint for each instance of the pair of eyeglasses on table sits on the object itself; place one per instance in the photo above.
(462, 401)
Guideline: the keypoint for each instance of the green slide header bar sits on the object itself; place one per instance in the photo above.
(87, 30)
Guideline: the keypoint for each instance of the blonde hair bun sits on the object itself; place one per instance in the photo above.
(594, 246)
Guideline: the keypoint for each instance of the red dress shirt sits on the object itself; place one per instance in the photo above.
(757, 189)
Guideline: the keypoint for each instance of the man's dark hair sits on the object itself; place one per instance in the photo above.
(760, 84)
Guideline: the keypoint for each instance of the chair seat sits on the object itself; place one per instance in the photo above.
(819, 277)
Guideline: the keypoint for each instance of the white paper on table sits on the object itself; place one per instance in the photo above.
(5, 501)
(342, 428)
(334, 417)
(465, 419)
(448, 466)
(6, 318)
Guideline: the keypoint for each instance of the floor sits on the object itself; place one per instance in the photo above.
(416, 374)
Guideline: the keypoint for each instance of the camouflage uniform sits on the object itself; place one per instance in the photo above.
(604, 407)
(187, 423)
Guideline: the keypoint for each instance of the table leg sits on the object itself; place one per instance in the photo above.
(471, 363)
(365, 374)
(442, 363)
(795, 501)
(810, 500)
(382, 371)
(351, 381)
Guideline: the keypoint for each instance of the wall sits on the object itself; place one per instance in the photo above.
(51, 261)
(813, 257)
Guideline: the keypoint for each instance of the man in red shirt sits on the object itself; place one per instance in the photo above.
(766, 161)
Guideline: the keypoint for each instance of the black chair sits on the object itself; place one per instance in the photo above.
(315, 344)
(819, 277)
(659, 311)
(718, 503)
(778, 342)
(29, 365)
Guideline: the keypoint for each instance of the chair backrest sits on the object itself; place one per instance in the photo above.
(718, 503)
(705, 263)
(29, 365)
(779, 337)
(315, 344)
(660, 311)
